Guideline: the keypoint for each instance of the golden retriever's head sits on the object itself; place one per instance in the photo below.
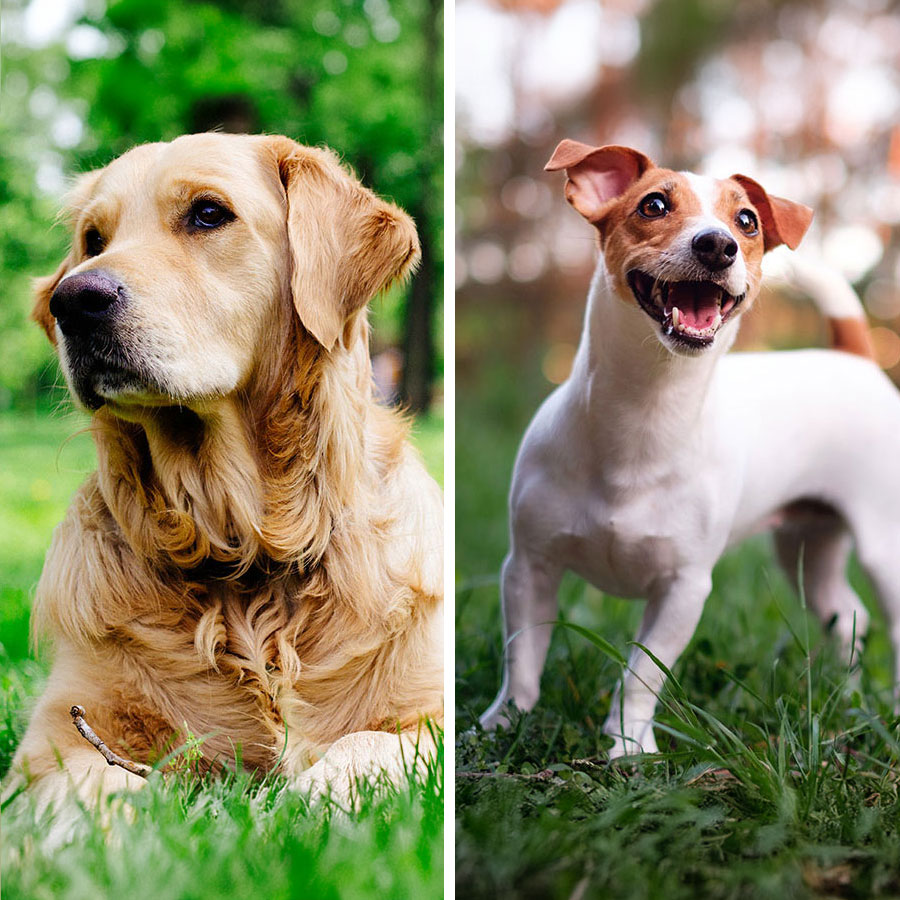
(185, 259)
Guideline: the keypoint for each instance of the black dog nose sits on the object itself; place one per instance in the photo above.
(82, 302)
(715, 248)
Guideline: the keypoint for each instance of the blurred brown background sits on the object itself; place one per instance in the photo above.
(802, 96)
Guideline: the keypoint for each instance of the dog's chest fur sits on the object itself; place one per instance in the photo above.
(623, 526)
(239, 671)
(279, 667)
(626, 544)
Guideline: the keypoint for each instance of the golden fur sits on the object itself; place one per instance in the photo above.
(258, 556)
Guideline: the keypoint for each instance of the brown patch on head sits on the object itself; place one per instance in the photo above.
(782, 221)
(737, 212)
(730, 201)
(631, 239)
(605, 184)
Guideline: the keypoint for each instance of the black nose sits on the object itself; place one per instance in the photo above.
(83, 302)
(715, 248)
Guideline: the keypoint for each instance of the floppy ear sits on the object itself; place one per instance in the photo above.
(782, 221)
(78, 194)
(43, 289)
(596, 174)
(346, 244)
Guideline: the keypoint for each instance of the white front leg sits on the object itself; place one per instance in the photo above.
(668, 624)
(528, 591)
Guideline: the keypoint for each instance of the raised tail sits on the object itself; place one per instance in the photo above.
(834, 297)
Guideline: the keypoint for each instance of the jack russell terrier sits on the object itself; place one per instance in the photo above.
(658, 453)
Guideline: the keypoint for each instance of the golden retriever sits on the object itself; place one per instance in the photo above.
(258, 557)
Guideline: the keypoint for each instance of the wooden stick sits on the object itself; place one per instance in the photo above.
(88, 733)
(545, 775)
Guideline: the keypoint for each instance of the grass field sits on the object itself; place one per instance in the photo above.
(190, 839)
(777, 775)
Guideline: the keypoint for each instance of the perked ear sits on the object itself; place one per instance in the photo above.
(346, 244)
(597, 175)
(782, 221)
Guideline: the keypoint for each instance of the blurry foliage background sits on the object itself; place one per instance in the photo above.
(83, 80)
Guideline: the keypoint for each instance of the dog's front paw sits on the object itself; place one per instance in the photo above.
(371, 760)
(494, 719)
(632, 741)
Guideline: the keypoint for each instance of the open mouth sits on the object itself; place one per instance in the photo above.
(689, 311)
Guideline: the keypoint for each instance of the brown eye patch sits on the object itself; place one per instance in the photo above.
(747, 222)
(654, 206)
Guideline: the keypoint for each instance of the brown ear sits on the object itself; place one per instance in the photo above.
(43, 289)
(782, 221)
(346, 244)
(596, 174)
(78, 194)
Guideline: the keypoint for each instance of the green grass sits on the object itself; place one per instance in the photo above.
(190, 838)
(235, 837)
(428, 435)
(777, 775)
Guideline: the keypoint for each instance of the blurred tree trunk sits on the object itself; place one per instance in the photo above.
(418, 352)
(418, 319)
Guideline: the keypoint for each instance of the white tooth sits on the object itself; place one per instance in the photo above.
(716, 322)
(676, 316)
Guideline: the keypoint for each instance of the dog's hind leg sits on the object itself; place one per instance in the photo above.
(668, 624)
(528, 591)
(824, 543)
(879, 555)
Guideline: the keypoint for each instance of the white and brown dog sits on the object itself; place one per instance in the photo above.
(657, 455)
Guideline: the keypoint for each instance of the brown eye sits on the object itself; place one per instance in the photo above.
(653, 206)
(93, 242)
(209, 214)
(747, 222)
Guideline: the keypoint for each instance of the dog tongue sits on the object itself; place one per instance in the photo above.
(698, 302)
